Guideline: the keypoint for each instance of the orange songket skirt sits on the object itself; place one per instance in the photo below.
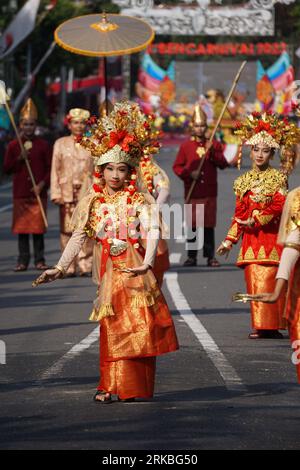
(131, 339)
(292, 314)
(261, 279)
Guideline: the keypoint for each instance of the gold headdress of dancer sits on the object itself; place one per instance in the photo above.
(124, 136)
(268, 129)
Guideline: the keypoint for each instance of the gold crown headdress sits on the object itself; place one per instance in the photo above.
(199, 117)
(124, 136)
(268, 129)
(78, 113)
(29, 111)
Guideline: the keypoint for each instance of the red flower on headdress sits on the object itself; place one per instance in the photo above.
(256, 114)
(238, 124)
(264, 126)
(121, 138)
(67, 120)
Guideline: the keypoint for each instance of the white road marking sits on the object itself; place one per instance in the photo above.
(58, 366)
(231, 379)
(6, 208)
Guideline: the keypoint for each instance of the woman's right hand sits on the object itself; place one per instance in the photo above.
(224, 248)
(48, 276)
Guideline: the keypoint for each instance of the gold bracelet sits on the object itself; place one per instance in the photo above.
(60, 268)
(226, 245)
(296, 246)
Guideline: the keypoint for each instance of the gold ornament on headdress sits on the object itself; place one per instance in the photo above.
(270, 130)
(288, 159)
(105, 109)
(125, 136)
(199, 117)
(29, 111)
(78, 113)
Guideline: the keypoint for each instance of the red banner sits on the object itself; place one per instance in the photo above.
(223, 49)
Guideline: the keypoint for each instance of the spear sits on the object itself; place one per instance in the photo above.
(234, 84)
(4, 100)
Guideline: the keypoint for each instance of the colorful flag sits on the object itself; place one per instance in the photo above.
(20, 27)
(274, 85)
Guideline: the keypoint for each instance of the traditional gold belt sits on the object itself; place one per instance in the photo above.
(117, 247)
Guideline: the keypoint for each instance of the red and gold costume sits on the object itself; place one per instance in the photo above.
(188, 159)
(158, 185)
(135, 322)
(206, 189)
(27, 215)
(261, 195)
(71, 167)
(289, 269)
(260, 200)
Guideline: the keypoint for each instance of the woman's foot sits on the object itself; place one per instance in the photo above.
(265, 334)
(20, 267)
(256, 334)
(102, 397)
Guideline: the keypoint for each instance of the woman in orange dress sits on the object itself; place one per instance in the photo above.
(288, 275)
(135, 322)
(260, 196)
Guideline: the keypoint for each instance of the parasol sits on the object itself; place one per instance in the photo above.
(103, 36)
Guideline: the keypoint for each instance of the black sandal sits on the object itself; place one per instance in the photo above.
(103, 394)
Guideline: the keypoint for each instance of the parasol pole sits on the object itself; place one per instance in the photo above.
(234, 84)
(105, 83)
(3, 100)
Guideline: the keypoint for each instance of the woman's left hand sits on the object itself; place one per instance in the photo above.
(266, 298)
(247, 223)
(139, 271)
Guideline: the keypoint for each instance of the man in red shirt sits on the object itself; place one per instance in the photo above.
(27, 217)
(205, 191)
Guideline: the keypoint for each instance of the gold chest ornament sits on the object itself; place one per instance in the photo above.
(201, 151)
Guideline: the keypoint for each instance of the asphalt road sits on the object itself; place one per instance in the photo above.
(219, 391)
